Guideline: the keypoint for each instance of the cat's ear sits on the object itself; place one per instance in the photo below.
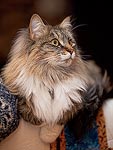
(36, 26)
(66, 23)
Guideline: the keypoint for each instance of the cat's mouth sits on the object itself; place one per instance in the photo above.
(67, 59)
(67, 56)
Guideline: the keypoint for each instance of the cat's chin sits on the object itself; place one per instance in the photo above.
(67, 63)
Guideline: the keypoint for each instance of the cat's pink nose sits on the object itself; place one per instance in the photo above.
(70, 50)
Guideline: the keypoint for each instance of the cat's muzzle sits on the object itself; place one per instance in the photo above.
(67, 56)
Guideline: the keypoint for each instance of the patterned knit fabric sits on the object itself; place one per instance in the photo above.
(94, 139)
(88, 142)
(9, 118)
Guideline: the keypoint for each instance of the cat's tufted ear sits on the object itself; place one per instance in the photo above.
(37, 27)
(66, 23)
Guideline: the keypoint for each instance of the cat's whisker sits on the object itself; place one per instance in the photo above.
(73, 20)
(49, 58)
(80, 25)
(88, 56)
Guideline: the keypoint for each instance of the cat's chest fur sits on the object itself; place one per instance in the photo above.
(51, 102)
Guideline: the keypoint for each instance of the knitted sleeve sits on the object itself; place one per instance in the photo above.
(9, 118)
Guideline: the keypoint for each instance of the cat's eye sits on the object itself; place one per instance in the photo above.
(72, 43)
(55, 42)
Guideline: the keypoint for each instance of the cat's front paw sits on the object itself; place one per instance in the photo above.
(49, 134)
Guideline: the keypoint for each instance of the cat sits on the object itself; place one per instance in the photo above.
(45, 69)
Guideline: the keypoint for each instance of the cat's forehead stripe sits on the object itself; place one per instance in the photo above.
(56, 35)
(60, 35)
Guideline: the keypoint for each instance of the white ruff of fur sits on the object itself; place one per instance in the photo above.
(48, 109)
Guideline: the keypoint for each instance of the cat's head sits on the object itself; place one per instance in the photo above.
(54, 45)
(43, 51)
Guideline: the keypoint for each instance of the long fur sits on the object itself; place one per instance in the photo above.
(49, 80)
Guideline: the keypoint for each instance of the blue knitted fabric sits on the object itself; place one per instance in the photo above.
(88, 142)
(9, 118)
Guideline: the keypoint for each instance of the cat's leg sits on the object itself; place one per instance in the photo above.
(49, 134)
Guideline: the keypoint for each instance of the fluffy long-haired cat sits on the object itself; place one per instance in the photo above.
(46, 71)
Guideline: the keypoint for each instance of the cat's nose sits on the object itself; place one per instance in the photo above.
(70, 50)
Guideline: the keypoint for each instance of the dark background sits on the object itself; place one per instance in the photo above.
(94, 38)
(97, 38)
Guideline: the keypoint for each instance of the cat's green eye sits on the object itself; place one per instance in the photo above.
(55, 42)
